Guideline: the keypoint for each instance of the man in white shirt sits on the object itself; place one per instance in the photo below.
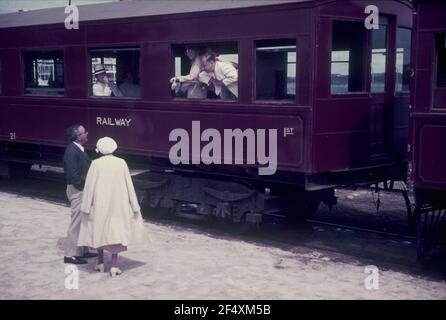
(223, 76)
(190, 84)
(103, 86)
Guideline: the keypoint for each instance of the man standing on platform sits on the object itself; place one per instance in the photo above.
(76, 165)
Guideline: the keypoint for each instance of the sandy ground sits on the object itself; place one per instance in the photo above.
(180, 263)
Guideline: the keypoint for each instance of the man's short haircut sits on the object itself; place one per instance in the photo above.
(197, 50)
(73, 131)
(210, 56)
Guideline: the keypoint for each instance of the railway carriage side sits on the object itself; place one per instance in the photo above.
(320, 101)
(266, 126)
(428, 124)
(361, 94)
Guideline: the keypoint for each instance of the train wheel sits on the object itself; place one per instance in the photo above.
(245, 226)
(166, 212)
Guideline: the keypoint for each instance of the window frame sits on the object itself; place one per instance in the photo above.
(201, 43)
(284, 102)
(365, 61)
(396, 91)
(436, 60)
(23, 71)
(136, 47)
(1, 76)
(438, 92)
(386, 55)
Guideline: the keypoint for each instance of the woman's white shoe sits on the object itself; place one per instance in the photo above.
(100, 267)
(115, 271)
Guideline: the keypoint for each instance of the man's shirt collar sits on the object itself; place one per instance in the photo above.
(79, 146)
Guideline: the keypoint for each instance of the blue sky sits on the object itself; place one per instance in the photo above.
(16, 5)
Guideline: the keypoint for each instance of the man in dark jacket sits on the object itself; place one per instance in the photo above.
(76, 165)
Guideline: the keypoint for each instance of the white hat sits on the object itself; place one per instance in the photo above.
(98, 69)
(106, 145)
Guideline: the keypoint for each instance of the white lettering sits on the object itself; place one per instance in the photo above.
(191, 310)
(371, 282)
(271, 159)
(119, 122)
(243, 142)
(179, 152)
(238, 135)
(372, 21)
(211, 152)
(196, 142)
(72, 280)
(72, 20)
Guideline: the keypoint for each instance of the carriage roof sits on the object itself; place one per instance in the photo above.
(130, 9)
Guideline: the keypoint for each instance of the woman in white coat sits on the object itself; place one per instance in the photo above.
(112, 216)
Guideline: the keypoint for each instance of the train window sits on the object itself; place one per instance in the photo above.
(205, 71)
(115, 72)
(44, 72)
(379, 55)
(441, 59)
(275, 69)
(403, 45)
(347, 56)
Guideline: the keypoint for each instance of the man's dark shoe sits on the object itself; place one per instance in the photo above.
(74, 260)
(88, 255)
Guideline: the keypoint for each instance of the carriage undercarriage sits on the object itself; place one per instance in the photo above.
(430, 217)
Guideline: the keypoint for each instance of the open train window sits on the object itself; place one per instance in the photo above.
(205, 71)
(44, 72)
(347, 56)
(115, 72)
(379, 56)
(403, 46)
(441, 59)
(275, 69)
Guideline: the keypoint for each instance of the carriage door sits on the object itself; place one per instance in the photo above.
(381, 90)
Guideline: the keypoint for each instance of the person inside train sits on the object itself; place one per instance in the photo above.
(190, 85)
(129, 88)
(221, 75)
(111, 217)
(103, 86)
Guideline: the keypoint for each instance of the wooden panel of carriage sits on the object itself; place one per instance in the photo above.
(428, 124)
(343, 131)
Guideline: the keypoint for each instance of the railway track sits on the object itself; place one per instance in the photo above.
(55, 175)
(369, 245)
(361, 229)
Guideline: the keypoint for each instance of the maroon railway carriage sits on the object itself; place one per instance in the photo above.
(315, 87)
(428, 122)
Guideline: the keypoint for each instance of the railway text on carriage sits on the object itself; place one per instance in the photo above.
(119, 122)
